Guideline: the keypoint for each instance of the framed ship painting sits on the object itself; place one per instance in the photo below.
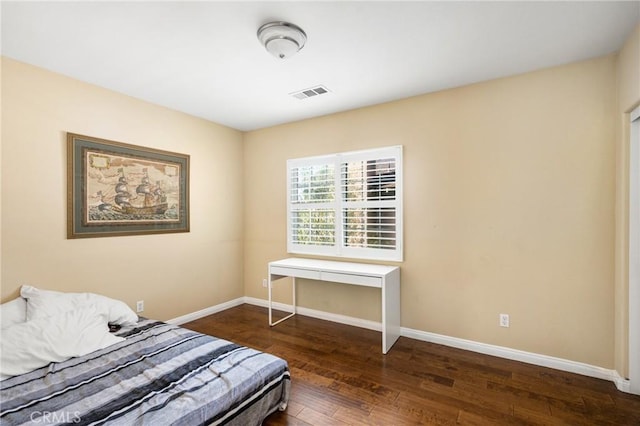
(116, 189)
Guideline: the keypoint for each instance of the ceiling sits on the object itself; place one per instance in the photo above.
(204, 58)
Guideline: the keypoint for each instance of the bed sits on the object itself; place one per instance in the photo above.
(154, 374)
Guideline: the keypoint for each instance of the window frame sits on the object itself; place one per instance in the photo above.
(339, 204)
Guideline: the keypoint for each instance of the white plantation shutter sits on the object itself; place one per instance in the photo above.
(312, 206)
(347, 204)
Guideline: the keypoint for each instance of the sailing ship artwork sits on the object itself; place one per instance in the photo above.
(122, 189)
(117, 189)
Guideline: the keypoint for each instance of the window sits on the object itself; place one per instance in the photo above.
(346, 205)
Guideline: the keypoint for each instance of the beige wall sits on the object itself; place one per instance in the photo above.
(509, 204)
(628, 78)
(508, 208)
(174, 273)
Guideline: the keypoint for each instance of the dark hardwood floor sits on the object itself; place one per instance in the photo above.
(339, 376)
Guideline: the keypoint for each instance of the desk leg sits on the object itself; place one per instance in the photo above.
(293, 285)
(293, 295)
(390, 310)
(269, 287)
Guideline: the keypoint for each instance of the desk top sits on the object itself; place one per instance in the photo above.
(335, 266)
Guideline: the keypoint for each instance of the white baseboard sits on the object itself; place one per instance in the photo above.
(342, 319)
(623, 385)
(500, 351)
(517, 355)
(206, 311)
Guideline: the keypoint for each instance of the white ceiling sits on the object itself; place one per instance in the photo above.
(204, 58)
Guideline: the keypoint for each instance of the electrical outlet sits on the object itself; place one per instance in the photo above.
(140, 306)
(504, 320)
(264, 283)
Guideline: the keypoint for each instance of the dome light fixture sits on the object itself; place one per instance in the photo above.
(281, 39)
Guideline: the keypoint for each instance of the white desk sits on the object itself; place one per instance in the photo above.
(386, 278)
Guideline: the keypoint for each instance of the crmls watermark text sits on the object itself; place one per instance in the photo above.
(47, 417)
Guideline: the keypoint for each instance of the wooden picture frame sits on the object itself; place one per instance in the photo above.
(116, 189)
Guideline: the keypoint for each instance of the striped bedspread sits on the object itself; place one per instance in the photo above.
(160, 375)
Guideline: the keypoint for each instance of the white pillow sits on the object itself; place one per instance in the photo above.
(46, 303)
(13, 312)
(36, 343)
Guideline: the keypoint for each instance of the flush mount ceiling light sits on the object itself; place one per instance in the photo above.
(281, 39)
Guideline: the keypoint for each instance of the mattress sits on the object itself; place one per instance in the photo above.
(161, 374)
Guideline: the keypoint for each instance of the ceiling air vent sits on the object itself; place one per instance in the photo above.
(308, 93)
